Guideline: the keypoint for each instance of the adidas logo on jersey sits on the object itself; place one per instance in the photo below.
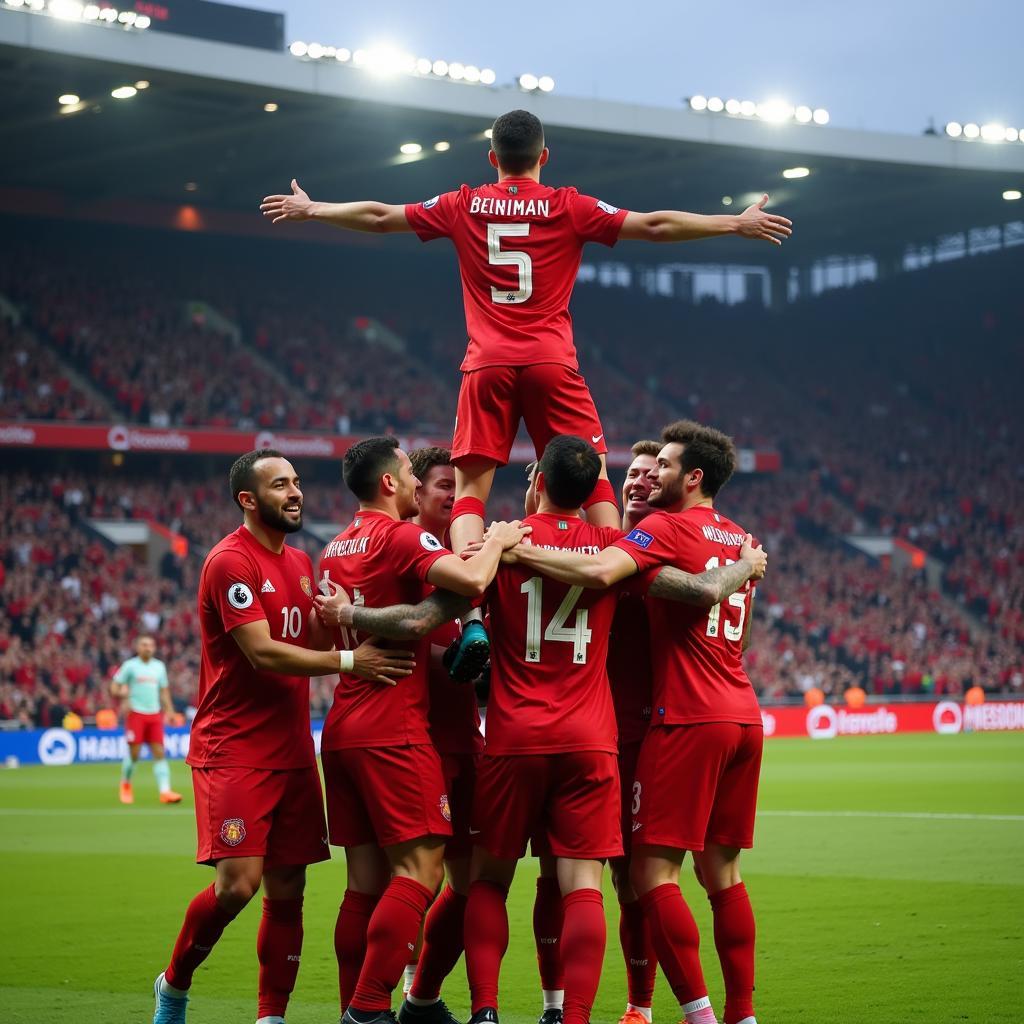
(267, 588)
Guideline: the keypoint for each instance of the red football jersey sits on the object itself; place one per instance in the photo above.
(454, 719)
(629, 667)
(549, 652)
(380, 561)
(245, 718)
(519, 245)
(697, 654)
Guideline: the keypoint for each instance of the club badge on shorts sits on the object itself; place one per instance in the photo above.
(232, 832)
(446, 810)
(307, 585)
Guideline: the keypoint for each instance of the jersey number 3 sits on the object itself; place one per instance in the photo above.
(498, 257)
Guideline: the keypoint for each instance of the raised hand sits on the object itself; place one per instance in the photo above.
(755, 223)
(381, 664)
(507, 534)
(290, 207)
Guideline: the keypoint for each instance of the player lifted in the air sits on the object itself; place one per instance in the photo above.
(142, 683)
(519, 245)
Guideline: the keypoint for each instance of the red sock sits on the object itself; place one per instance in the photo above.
(278, 947)
(583, 941)
(205, 921)
(486, 941)
(676, 941)
(734, 940)
(638, 952)
(548, 915)
(442, 944)
(350, 940)
(390, 939)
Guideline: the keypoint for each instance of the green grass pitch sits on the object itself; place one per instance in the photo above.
(887, 882)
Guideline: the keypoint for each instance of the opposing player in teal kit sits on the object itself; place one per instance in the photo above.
(142, 683)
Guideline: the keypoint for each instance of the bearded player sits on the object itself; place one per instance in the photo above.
(259, 808)
(519, 245)
(706, 733)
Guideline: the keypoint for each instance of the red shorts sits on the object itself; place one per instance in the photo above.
(385, 795)
(550, 398)
(460, 781)
(697, 784)
(629, 755)
(573, 798)
(142, 728)
(259, 812)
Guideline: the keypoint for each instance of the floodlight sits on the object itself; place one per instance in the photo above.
(487, 76)
(528, 82)
(804, 114)
(698, 102)
(123, 92)
(410, 148)
(954, 129)
(796, 172)
(1011, 194)
(821, 116)
(971, 130)
(298, 49)
(748, 108)
(715, 105)
(68, 99)
(442, 147)
(732, 107)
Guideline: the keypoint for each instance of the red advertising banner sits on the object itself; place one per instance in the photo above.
(945, 717)
(121, 437)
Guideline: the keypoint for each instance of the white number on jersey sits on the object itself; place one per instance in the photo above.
(510, 258)
(578, 635)
(291, 624)
(737, 600)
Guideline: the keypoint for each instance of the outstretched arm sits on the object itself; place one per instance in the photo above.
(366, 216)
(678, 226)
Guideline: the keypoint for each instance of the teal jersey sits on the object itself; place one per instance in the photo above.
(145, 679)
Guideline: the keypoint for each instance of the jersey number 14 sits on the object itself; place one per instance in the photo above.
(578, 634)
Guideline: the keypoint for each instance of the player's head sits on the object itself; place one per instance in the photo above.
(145, 647)
(436, 474)
(517, 143)
(265, 485)
(376, 469)
(636, 488)
(567, 472)
(695, 462)
(531, 503)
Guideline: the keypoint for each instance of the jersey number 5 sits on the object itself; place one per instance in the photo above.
(510, 258)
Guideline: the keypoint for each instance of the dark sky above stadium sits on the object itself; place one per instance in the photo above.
(887, 65)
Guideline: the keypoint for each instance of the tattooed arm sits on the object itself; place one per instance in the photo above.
(712, 586)
(397, 622)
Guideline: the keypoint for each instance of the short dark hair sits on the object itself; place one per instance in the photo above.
(243, 471)
(646, 448)
(706, 449)
(571, 468)
(517, 139)
(365, 462)
(425, 459)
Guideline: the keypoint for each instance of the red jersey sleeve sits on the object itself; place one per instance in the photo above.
(654, 543)
(412, 551)
(433, 218)
(596, 221)
(233, 586)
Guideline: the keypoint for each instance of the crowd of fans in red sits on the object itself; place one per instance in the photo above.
(888, 423)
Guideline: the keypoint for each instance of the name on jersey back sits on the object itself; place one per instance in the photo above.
(510, 207)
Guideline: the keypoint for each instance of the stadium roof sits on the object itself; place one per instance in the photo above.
(338, 129)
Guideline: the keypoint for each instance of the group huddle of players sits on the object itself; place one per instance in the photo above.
(414, 600)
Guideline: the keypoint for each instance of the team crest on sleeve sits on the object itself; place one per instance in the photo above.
(239, 595)
(607, 207)
(428, 203)
(640, 538)
(307, 585)
(446, 810)
(232, 832)
(429, 541)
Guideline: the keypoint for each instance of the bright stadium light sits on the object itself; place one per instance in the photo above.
(488, 77)
(15, 3)
(732, 107)
(410, 148)
(423, 65)
(992, 132)
(748, 108)
(727, 200)
(68, 99)
(775, 111)
(472, 73)
(66, 10)
(456, 71)
(488, 132)
(698, 102)
(804, 114)
(971, 130)
(315, 51)
(123, 92)
(91, 12)
(796, 172)
(360, 58)
(142, 84)
(442, 147)
(343, 55)
(270, 108)
(821, 116)
(528, 82)
(440, 68)
(715, 105)
(1012, 194)
(143, 21)
(1011, 135)
(298, 49)
(546, 83)
(954, 129)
